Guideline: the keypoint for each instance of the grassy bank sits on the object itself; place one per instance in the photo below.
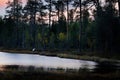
(87, 57)
(33, 75)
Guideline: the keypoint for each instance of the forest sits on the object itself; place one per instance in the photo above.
(63, 25)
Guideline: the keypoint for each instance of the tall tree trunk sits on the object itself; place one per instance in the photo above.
(34, 24)
(50, 10)
(50, 13)
(15, 18)
(80, 31)
(119, 7)
(67, 19)
(17, 24)
(58, 14)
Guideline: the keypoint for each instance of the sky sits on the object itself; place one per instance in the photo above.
(3, 5)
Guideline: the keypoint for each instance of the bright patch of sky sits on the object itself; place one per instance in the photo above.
(3, 6)
(2, 11)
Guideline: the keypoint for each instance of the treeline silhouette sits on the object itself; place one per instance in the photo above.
(86, 26)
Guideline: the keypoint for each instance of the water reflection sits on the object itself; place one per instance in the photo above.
(46, 62)
(107, 67)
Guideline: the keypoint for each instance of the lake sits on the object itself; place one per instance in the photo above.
(48, 62)
(44, 61)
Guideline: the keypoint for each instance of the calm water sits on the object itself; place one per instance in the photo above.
(44, 61)
(12, 60)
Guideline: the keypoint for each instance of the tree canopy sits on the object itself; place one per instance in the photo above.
(62, 24)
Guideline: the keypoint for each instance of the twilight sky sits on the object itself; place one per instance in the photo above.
(3, 5)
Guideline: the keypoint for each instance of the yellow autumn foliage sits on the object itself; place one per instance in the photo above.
(62, 36)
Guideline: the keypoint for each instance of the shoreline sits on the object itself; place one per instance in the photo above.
(14, 74)
(65, 54)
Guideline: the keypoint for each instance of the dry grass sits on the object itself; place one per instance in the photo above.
(31, 75)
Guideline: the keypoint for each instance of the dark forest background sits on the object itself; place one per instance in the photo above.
(87, 26)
